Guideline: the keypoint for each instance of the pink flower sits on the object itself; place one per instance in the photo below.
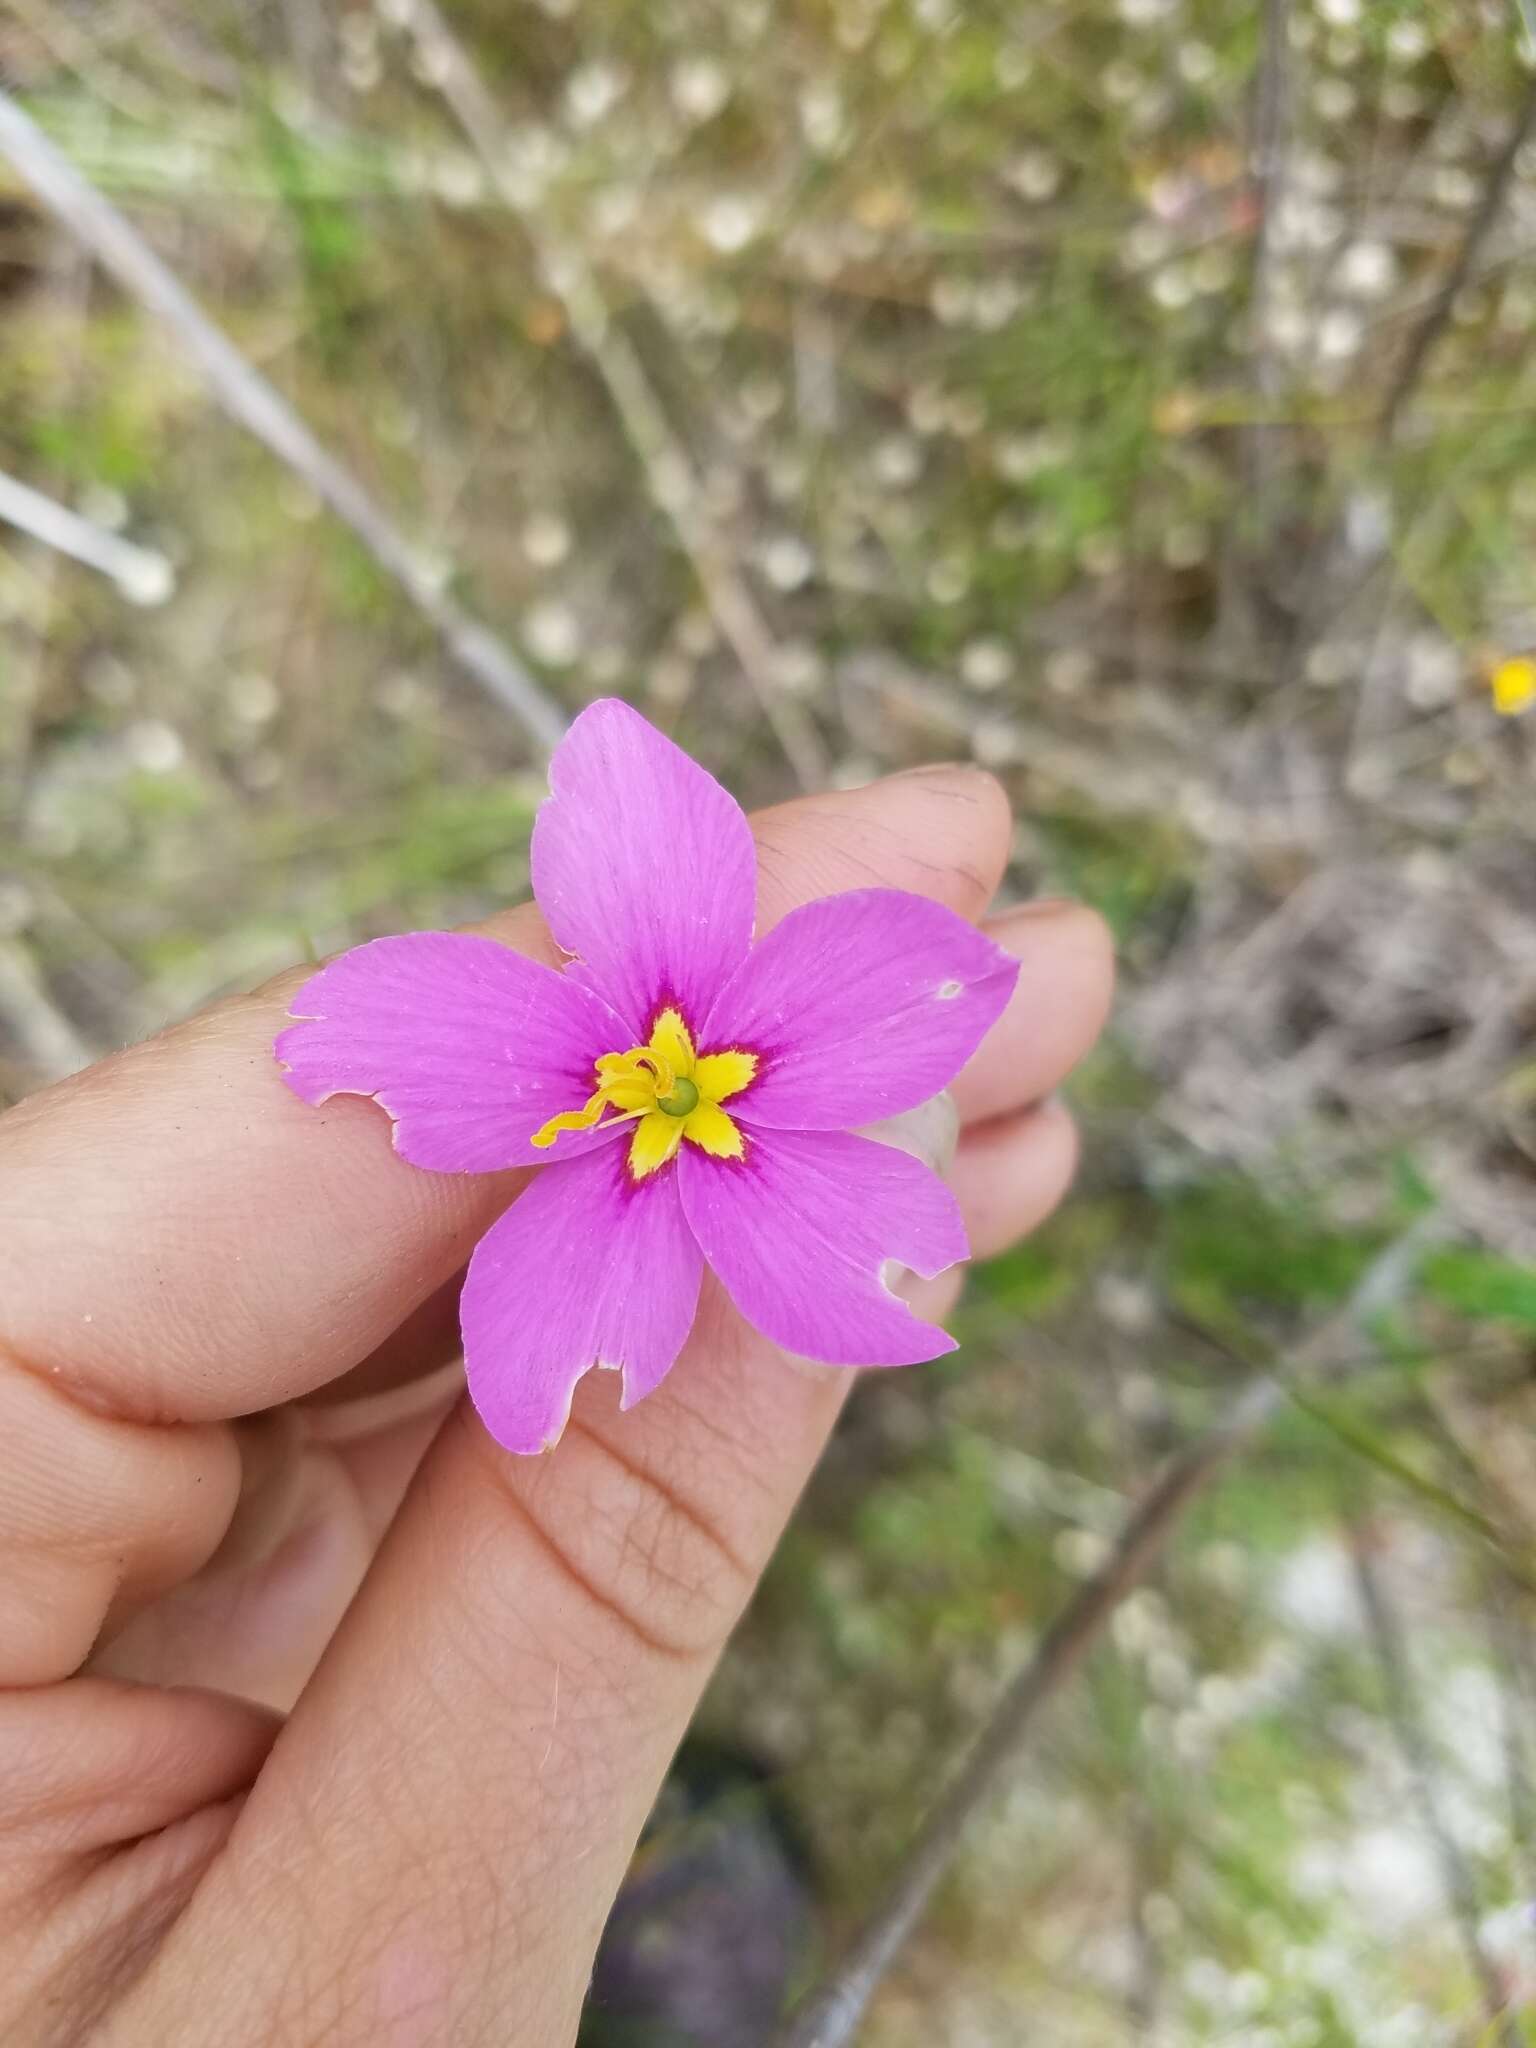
(689, 1095)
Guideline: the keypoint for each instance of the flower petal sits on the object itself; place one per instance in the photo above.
(722, 1074)
(586, 1268)
(469, 1046)
(799, 1232)
(709, 1126)
(656, 1139)
(644, 868)
(859, 1006)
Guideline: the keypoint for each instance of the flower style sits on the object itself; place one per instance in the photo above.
(690, 1095)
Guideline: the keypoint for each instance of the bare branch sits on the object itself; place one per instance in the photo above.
(46, 1037)
(1327, 590)
(1426, 336)
(1237, 608)
(832, 2015)
(1271, 150)
(673, 486)
(142, 574)
(247, 397)
(1403, 1716)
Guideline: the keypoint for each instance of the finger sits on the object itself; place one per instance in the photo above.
(1009, 1175)
(1066, 979)
(97, 1514)
(426, 1339)
(98, 1857)
(256, 1619)
(481, 1743)
(96, 1762)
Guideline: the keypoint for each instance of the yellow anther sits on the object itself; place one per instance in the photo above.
(668, 1092)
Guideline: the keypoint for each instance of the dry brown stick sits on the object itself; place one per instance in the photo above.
(247, 397)
(1512, 1653)
(1398, 1693)
(670, 479)
(832, 2014)
(1270, 157)
(47, 1039)
(1426, 336)
(1322, 602)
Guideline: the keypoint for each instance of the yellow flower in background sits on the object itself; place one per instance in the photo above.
(1513, 684)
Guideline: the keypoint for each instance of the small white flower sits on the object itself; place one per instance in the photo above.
(1034, 174)
(788, 563)
(986, 664)
(1407, 40)
(1367, 270)
(155, 747)
(592, 91)
(700, 88)
(898, 461)
(1340, 335)
(1335, 99)
(546, 539)
(553, 634)
(253, 699)
(730, 222)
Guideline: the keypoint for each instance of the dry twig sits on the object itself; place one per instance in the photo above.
(1271, 149)
(142, 574)
(46, 1038)
(833, 2013)
(1456, 1881)
(673, 486)
(1437, 315)
(119, 247)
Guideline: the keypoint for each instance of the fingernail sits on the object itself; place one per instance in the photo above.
(929, 769)
(1038, 906)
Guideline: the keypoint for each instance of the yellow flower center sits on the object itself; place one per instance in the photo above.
(668, 1091)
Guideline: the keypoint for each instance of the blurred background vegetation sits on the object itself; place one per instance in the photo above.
(1136, 398)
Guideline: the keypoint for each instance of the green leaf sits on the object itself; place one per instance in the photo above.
(1481, 1283)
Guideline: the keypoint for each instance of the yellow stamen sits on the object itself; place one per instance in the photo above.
(668, 1092)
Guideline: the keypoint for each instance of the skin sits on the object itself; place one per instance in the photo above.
(336, 1723)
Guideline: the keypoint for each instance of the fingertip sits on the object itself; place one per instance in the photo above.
(1057, 1010)
(934, 1300)
(1009, 1175)
(1077, 932)
(942, 832)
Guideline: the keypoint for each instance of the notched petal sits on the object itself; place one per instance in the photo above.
(587, 1268)
(801, 1233)
(469, 1046)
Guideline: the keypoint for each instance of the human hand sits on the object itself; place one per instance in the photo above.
(228, 1406)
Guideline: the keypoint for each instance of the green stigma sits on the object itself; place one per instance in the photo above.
(684, 1097)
